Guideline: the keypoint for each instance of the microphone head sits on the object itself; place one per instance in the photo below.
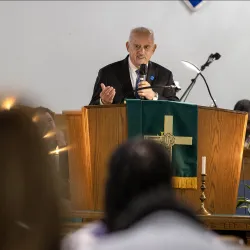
(143, 69)
(211, 56)
(217, 56)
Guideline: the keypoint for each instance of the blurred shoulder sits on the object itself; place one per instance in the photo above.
(82, 237)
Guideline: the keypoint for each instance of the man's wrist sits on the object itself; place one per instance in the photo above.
(155, 96)
(101, 102)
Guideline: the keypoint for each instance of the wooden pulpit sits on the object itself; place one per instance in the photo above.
(95, 131)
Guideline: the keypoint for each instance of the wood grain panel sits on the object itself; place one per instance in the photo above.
(107, 129)
(221, 136)
(79, 180)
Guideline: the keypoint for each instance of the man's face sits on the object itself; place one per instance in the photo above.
(141, 47)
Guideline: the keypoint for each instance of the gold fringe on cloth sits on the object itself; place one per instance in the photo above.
(185, 182)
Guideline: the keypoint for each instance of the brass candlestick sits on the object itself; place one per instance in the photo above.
(202, 210)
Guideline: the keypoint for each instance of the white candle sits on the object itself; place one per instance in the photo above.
(203, 166)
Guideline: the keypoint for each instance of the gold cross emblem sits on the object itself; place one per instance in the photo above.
(167, 138)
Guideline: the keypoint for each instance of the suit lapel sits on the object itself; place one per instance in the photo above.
(152, 73)
(125, 79)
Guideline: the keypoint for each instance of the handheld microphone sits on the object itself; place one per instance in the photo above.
(210, 59)
(143, 70)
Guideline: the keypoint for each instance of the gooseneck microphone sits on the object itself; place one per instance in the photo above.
(158, 87)
(210, 59)
(143, 70)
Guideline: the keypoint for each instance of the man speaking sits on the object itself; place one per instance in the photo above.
(120, 80)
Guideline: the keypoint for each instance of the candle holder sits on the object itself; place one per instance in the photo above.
(202, 210)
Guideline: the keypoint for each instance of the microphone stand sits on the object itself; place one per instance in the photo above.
(193, 81)
(209, 92)
(191, 85)
(189, 88)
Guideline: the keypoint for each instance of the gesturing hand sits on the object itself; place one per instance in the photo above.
(107, 94)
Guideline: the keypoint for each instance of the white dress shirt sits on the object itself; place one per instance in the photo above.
(132, 73)
(133, 77)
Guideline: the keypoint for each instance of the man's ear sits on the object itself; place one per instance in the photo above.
(155, 47)
(127, 46)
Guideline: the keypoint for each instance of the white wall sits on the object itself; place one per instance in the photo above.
(53, 50)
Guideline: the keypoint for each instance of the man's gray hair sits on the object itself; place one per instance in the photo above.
(142, 30)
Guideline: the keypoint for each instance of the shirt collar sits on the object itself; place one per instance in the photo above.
(131, 65)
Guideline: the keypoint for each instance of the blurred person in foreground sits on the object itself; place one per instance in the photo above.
(29, 198)
(141, 209)
(54, 139)
(46, 122)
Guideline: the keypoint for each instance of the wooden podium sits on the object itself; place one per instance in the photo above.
(95, 131)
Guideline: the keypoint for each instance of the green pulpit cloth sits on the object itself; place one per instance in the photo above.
(173, 124)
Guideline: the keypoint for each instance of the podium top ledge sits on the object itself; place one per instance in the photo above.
(76, 112)
(104, 106)
(71, 112)
(124, 105)
(223, 110)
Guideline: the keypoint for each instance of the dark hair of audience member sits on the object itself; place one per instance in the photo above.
(139, 183)
(242, 105)
(29, 201)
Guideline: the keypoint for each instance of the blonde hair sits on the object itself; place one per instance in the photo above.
(142, 30)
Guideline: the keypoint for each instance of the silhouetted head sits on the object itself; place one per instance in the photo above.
(139, 182)
(244, 106)
(29, 202)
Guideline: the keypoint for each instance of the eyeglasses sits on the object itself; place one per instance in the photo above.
(145, 47)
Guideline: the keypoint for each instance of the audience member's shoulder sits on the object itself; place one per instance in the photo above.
(161, 68)
(113, 65)
(81, 237)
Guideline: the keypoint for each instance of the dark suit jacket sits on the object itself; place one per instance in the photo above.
(117, 75)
